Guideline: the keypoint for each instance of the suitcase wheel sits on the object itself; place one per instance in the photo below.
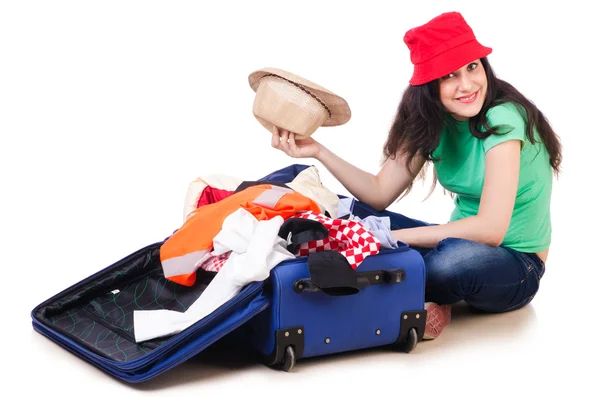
(289, 359)
(411, 341)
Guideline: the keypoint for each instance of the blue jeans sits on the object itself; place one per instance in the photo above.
(491, 279)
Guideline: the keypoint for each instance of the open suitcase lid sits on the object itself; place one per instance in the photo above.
(94, 318)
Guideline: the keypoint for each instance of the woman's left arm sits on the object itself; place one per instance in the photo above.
(489, 226)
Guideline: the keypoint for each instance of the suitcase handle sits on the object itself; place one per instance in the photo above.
(364, 279)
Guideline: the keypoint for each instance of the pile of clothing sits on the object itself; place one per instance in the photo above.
(241, 229)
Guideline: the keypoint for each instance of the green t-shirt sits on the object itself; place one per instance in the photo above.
(461, 170)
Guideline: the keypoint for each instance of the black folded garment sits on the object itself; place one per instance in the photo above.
(302, 231)
(331, 272)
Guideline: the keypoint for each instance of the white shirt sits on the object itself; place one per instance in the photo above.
(256, 249)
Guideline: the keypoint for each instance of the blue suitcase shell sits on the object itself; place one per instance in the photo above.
(303, 321)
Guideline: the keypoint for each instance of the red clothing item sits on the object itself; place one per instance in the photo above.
(211, 195)
(347, 237)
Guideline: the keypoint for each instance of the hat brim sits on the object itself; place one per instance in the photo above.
(340, 110)
(447, 62)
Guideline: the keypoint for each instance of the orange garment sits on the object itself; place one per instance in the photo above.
(185, 249)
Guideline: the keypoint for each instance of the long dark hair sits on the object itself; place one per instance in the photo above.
(421, 116)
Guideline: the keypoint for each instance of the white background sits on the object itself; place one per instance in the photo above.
(109, 109)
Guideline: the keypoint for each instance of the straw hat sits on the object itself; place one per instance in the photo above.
(294, 103)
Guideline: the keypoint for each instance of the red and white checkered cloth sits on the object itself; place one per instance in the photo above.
(215, 262)
(348, 237)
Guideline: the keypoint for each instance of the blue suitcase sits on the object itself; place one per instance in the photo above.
(283, 319)
(304, 321)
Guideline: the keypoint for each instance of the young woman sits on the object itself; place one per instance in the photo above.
(490, 146)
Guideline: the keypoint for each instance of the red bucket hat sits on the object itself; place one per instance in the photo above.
(442, 45)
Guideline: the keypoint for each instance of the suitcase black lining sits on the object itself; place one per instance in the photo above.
(98, 312)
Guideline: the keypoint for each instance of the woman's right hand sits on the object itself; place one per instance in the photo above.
(287, 143)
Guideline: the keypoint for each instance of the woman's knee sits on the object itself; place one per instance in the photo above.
(451, 258)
